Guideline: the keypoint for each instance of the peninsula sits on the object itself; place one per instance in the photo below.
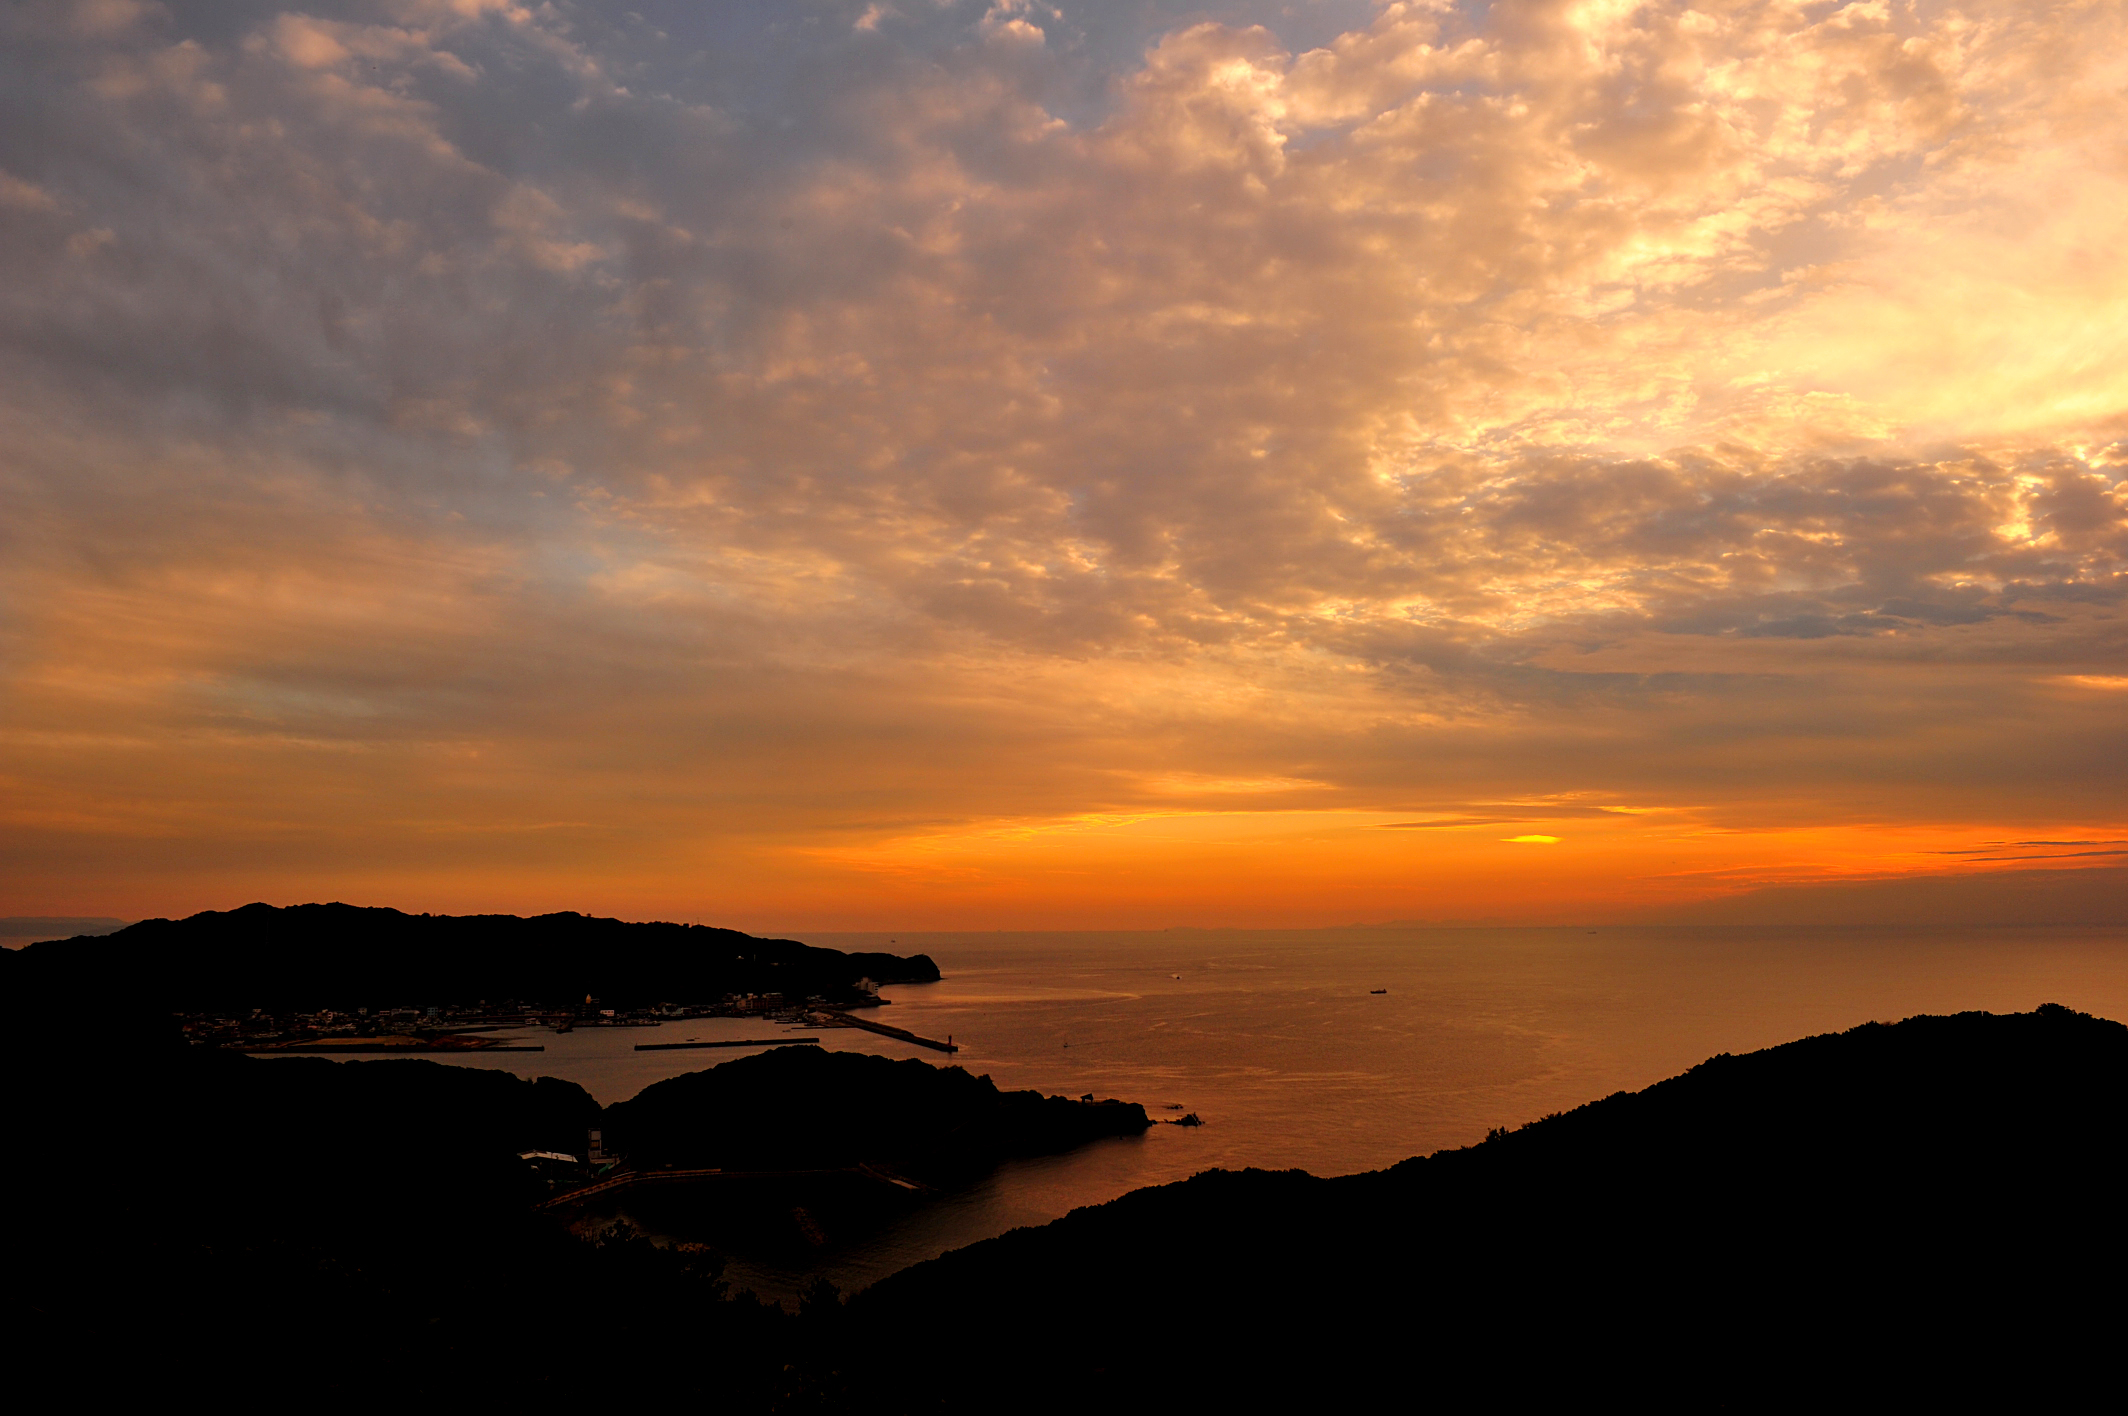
(357, 963)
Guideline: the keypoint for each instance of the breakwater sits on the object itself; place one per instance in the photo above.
(834, 1018)
(396, 1048)
(729, 1042)
(631, 1179)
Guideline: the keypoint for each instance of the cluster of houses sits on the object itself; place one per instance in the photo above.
(264, 1026)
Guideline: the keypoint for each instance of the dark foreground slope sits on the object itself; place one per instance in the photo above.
(1934, 1206)
(307, 1232)
(367, 1229)
(1925, 1211)
(343, 956)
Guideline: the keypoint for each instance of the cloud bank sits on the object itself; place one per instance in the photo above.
(1017, 463)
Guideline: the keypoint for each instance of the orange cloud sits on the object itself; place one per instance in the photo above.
(1019, 467)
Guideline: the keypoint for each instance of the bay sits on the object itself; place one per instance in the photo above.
(1279, 1043)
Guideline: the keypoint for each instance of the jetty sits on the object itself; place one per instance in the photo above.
(400, 1049)
(836, 1018)
(729, 1042)
(631, 1179)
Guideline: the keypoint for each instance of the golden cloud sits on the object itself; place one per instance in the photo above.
(449, 444)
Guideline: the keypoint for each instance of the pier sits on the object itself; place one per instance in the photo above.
(835, 1018)
(629, 1179)
(732, 1042)
(385, 1048)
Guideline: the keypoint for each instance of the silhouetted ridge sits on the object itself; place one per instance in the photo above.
(1931, 1206)
(370, 1228)
(339, 1230)
(1925, 1213)
(345, 956)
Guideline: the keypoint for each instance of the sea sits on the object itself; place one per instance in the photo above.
(1341, 1050)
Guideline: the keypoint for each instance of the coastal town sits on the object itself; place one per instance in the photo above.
(501, 1025)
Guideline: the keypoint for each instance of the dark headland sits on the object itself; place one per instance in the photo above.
(1928, 1209)
(347, 957)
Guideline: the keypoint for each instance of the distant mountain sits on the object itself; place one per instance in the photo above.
(343, 956)
(1894, 1214)
(24, 929)
(2091, 895)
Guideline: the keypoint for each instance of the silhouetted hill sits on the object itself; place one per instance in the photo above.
(367, 1228)
(211, 1222)
(343, 956)
(1931, 1207)
(803, 1107)
(1921, 1212)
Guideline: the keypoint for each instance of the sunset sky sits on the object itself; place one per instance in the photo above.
(948, 464)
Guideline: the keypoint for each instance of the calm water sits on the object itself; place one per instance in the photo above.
(1275, 1040)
